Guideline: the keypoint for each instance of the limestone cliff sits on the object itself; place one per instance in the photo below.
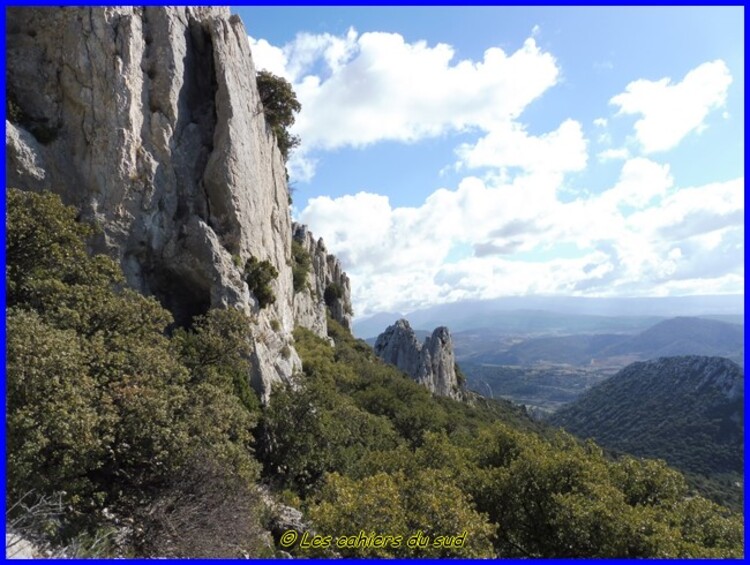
(149, 121)
(432, 364)
(327, 286)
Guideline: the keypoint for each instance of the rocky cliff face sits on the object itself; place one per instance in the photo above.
(431, 364)
(149, 120)
(327, 286)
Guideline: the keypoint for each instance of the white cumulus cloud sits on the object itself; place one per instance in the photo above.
(269, 57)
(525, 227)
(639, 235)
(614, 154)
(508, 145)
(670, 111)
(641, 180)
(394, 90)
(360, 89)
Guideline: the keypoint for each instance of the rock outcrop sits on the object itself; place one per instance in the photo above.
(150, 122)
(281, 516)
(431, 364)
(327, 286)
(18, 547)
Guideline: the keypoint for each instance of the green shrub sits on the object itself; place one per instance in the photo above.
(460, 377)
(300, 265)
(398, 504)
(286, 352)
(279, 106)
(13, 111)
(333, 292)
(216, 350)
(258, 275)
(102, 405)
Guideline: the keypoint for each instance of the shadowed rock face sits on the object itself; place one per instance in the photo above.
(150, 122)
(431, 364)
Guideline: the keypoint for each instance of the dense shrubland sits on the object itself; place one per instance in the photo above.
(444, 467)
(160, 436)
(102, 406)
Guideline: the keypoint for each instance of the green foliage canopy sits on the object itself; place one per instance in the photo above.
(517, 488)
(101, 404)
(259, 275)
(280, 104)
(300, 265)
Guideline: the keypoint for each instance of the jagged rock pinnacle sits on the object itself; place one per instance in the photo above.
(431, 364)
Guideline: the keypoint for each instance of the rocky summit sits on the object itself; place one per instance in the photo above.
(149, 120)
(431, 363)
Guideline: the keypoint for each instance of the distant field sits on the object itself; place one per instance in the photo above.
(542, 388)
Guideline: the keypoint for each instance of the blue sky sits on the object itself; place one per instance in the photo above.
(454, 153)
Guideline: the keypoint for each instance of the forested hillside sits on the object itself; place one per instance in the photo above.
(687, 410)
(154, 444)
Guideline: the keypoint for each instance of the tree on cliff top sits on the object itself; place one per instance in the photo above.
(280, 104)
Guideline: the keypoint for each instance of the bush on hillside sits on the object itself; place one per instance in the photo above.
(280, 104)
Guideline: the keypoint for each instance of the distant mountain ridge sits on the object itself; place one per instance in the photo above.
(685, 336)
(472, 314)
(675, 336)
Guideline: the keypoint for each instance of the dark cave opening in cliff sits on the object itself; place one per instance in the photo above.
(185, 297)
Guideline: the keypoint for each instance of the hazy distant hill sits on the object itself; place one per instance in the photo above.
(569, 350)
(684, 336)
(687, 410)
(372, 327)
(676, 336)
(472, 314)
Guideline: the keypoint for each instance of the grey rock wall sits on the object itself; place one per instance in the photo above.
(149, 121)
(432, 363)
(325, 273)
